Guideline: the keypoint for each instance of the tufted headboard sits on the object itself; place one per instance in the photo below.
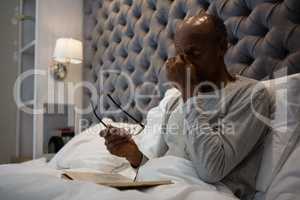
(126, 43)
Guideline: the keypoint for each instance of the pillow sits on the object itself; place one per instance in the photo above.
(286, 183)
(87, 150)
(285, 92)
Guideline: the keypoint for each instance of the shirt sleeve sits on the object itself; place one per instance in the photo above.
(151, 141)
(216, 150)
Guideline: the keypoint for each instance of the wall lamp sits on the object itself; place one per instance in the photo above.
(67, 51)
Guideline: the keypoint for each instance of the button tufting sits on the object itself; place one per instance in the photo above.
(135, 37)
(122, 20)
(95, 77)
(128, 2)
(94, 47)
(162, 17)
(87, 92)
(129, 31)
(116, 7)
(100, 31)
(123, 53)
(116, 37)
(153, 42)
(112, 59)
(111, 89)
(130, 68)
(152, 4)
(125, 87)
(110, 26)
(99, 4)
(106, 106)
(105, 15)
(145, 27)
(180, 11)
(105, 43)
(137, 12)
(106, 75)
(139, 116)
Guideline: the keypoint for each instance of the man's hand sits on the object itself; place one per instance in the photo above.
(183, 74)
(119, 142)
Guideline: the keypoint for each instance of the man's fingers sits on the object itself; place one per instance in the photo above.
(116, 144)
(115, 133)
(115, 148)
(118, 131)
(110, 143)
(116, 139)
(105, 132)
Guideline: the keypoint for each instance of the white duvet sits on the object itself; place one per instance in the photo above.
(36, 181)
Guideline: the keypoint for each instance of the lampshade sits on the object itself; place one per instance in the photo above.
(68, 50)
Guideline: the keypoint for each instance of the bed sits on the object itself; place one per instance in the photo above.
(131, 40)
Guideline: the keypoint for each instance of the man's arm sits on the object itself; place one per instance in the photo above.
(150, 143)
(215, 152)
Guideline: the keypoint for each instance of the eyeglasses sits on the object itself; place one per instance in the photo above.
(134, 131)
(97, 116)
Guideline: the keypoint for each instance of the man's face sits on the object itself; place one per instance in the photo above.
(202, 57)
(195, 45)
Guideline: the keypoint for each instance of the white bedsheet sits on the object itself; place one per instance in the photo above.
(36, 181)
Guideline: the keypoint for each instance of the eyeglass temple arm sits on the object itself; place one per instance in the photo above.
(94, 111)
(134, 119)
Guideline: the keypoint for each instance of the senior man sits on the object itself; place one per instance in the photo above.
(222, 136)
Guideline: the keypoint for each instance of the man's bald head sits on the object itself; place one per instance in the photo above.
(201, 43)
(194, 31)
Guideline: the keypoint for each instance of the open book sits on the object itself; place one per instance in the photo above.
(112, 180)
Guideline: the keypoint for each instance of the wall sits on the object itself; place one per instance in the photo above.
(8, 73)
(56, 18)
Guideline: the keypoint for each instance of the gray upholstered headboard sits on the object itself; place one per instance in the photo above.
(126, 43)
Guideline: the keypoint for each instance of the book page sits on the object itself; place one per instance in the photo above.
(97, 177)
(113, 180)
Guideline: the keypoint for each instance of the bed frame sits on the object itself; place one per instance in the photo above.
(126, 43)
